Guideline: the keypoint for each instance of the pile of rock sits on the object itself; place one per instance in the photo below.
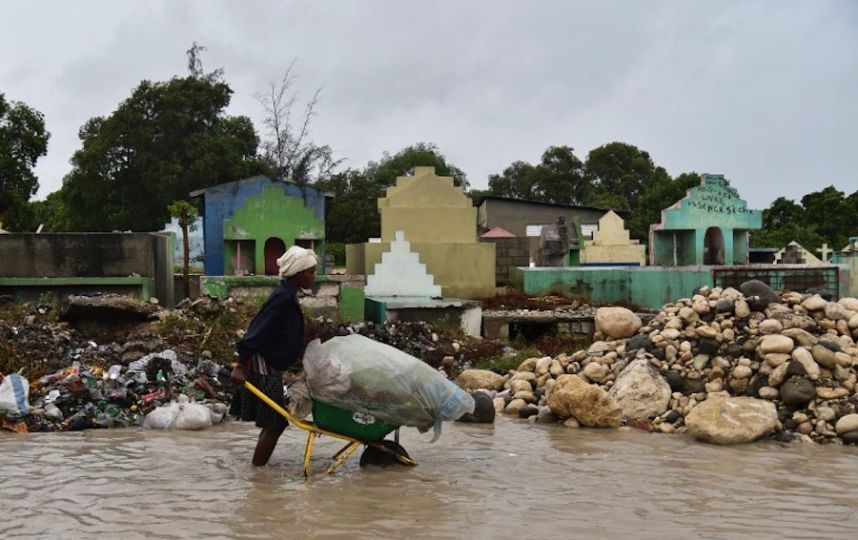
(725, 365)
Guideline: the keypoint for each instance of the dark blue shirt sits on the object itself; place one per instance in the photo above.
(277, 332)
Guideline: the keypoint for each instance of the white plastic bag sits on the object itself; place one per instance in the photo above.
(358, 374)
(14, 394)
(179, 414)
(163, 417)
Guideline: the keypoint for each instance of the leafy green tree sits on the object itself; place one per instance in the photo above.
(352, 216)
(557, 179)
(384, 172)
(167, 139)
(23, 140)
(623, 170)
(828, 212)
(656, 198)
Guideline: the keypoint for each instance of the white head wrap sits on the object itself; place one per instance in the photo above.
(296, 259)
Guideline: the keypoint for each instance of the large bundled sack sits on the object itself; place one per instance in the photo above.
(358, 374)
(180, 414)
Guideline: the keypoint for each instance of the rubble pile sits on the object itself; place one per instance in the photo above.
(726, 366)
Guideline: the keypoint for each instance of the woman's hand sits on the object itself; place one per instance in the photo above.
(237, 375)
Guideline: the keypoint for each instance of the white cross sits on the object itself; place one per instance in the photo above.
(825, 252)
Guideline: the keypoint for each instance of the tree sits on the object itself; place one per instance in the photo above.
(353, 216)
(656, 198)
(287, 148)
(167, 139)
(624, 170)
(384, 172)
(186, 214)
(23, 140)
(829, 213)
(558, 179)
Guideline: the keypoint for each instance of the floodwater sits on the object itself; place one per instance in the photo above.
(509, 480)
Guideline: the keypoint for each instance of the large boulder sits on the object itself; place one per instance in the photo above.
(590, 405)
(617, 322)
(480, 379)
(641, 391)
(759, 294)
(733, 420)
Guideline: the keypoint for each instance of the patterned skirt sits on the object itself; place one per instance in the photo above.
(248, 407)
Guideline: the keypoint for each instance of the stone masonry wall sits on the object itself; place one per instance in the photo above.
(510, 253)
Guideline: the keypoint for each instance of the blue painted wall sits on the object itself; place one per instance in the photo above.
(221, 202)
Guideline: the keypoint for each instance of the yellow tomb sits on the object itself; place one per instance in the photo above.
(440, 222)
(611, 244)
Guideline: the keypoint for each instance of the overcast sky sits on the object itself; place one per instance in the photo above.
(765, 93)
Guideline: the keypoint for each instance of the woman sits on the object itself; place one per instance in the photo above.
(273, 342)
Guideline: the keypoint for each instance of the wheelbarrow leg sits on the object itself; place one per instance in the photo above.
(308, 451)
(343, 454)
(343, 449)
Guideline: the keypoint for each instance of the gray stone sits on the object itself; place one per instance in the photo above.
(847, 424)
(480, 379)
(797, 391)
(724, 306)
(765, 295)
(733, 420)
(484, 410)
(589, 404)
(527, 411)
(641, 391)
(617, 322)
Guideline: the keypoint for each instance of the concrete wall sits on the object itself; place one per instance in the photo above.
(222, 202)
(653, 286)
(338, 296)
(515, 216)
(462, 270)
(79, 254)
(648, 287)
(127, 263)
(510, 253)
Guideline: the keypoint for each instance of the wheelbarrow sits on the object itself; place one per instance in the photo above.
(357, 429)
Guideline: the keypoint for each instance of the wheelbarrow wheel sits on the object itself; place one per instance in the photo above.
(375, 456)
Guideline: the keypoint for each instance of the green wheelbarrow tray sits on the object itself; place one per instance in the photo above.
(357, 425)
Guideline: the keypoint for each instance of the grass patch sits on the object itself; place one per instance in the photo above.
(503, 363)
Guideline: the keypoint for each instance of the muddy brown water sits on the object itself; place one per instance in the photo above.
(509, 480)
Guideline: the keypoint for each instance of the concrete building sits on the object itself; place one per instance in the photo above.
(439, 222)
(249, 223)
(710, 225)
(525, 219)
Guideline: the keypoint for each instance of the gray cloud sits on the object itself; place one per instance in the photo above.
(759, 91)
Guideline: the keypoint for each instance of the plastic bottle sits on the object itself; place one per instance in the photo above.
(113, 372)
(75, 370)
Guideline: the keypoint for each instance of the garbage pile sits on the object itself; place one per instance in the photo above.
(72, 382)
(726, 366)
(85, 396)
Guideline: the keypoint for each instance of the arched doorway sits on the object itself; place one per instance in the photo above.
(713, 246)
(274, 248)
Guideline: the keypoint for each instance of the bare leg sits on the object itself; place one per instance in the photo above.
(265, 446)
